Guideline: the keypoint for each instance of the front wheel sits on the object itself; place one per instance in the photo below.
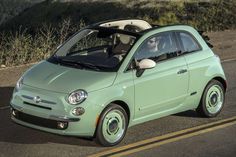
(212, 100)
(112, 125)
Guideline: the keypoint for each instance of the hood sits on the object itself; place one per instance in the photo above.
(53, 77)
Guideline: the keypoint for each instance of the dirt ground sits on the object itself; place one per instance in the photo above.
(224, 43)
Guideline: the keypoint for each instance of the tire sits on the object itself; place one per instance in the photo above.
(212, 100)
(112, 126)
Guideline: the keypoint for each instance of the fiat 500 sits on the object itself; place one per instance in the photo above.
(115, 74)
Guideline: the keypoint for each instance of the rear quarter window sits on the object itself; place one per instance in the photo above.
(188, 42)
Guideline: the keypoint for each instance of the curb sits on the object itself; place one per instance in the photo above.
(4, 107)
(18, 66)
(228, 60)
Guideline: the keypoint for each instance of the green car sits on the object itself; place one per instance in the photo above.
(115, 74)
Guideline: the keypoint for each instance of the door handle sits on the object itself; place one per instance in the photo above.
(182, 71)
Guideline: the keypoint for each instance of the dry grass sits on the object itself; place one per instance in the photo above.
(21, 47)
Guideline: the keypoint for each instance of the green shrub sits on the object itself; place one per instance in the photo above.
(51, 22)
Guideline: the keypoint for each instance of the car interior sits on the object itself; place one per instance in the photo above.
(104, 48)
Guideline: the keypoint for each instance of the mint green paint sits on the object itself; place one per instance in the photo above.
(158, 92)
(53, 77)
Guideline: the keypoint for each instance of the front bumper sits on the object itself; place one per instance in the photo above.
(54, 118)
(54, 122)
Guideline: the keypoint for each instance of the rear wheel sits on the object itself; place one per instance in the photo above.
(112, 125)
(212, 100)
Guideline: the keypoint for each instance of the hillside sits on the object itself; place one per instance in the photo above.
(207, 15)
(34, 33)
(11, 8)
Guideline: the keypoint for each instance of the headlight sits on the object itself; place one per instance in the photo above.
(19, 84)
(77, 97)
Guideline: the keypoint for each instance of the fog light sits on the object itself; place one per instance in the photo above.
(78, 111)
(61, 125)
(14, 112)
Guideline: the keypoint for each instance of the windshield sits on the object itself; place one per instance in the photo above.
(95, 49)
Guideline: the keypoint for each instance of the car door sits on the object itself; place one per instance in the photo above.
(198, 60)
(162, 89)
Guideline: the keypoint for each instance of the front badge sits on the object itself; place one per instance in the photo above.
(37, 99)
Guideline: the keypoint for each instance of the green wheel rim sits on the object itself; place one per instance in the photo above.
(113, 126)
(214, 99)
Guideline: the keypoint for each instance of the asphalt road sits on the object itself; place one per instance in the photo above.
(217, 143)
(16, 140)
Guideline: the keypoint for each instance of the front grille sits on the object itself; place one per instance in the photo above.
(48, 123)
(35, 105)
(41, 100)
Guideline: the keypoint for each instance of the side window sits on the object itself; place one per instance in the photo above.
(189, 44)
(158, 47)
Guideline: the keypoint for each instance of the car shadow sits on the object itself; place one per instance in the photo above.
(11, 132)
(5, 95)
(15, 133)
(189, 113)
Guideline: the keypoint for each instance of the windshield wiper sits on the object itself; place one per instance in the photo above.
(58, 60)
(80, 64)
(54, 59)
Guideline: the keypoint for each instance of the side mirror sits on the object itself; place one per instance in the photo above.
(146, 64)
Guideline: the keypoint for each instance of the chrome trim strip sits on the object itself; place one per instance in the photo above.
(37, 105)
(27, 97)
(43, 101)
(16, 107)
(52, 117)
(64, 118)
(48, 102)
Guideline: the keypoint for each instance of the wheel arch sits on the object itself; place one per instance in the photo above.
(221, 80)
(224, 84)
(124, 105)
(218, 78)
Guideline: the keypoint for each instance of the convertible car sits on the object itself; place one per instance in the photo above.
(115, 74)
